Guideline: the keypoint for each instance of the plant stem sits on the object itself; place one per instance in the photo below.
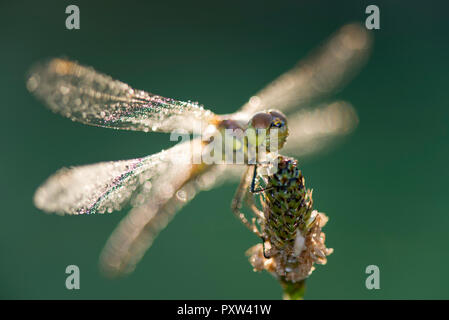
(293, 290)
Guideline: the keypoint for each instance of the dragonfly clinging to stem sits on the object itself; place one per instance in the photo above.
(158, 185)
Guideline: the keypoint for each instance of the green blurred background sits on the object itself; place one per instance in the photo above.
(385, 189)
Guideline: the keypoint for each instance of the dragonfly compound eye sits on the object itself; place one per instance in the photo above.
(279, 122)
(261, 120)
(279, 119)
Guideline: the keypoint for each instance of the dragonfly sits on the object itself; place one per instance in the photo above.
(155, 187)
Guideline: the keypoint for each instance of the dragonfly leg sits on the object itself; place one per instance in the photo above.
(253, 183)
(237, 202)
(253, 207)
(253, 180)
(251, 204)
(263, 249)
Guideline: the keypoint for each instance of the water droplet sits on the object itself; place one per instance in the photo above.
(181, 195)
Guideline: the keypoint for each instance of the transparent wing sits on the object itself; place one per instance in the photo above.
(137, 231)
(313, 130)
(108, 186)
(84, 95)
(323, 72)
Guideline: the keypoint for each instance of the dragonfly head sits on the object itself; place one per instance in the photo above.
(268, 128)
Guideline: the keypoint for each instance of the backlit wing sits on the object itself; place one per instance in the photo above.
(323, 72)
(312, 130)
(108, 186)
(136, 232)
(84, 95)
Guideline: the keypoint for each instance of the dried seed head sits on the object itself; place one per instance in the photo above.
(290, 264)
